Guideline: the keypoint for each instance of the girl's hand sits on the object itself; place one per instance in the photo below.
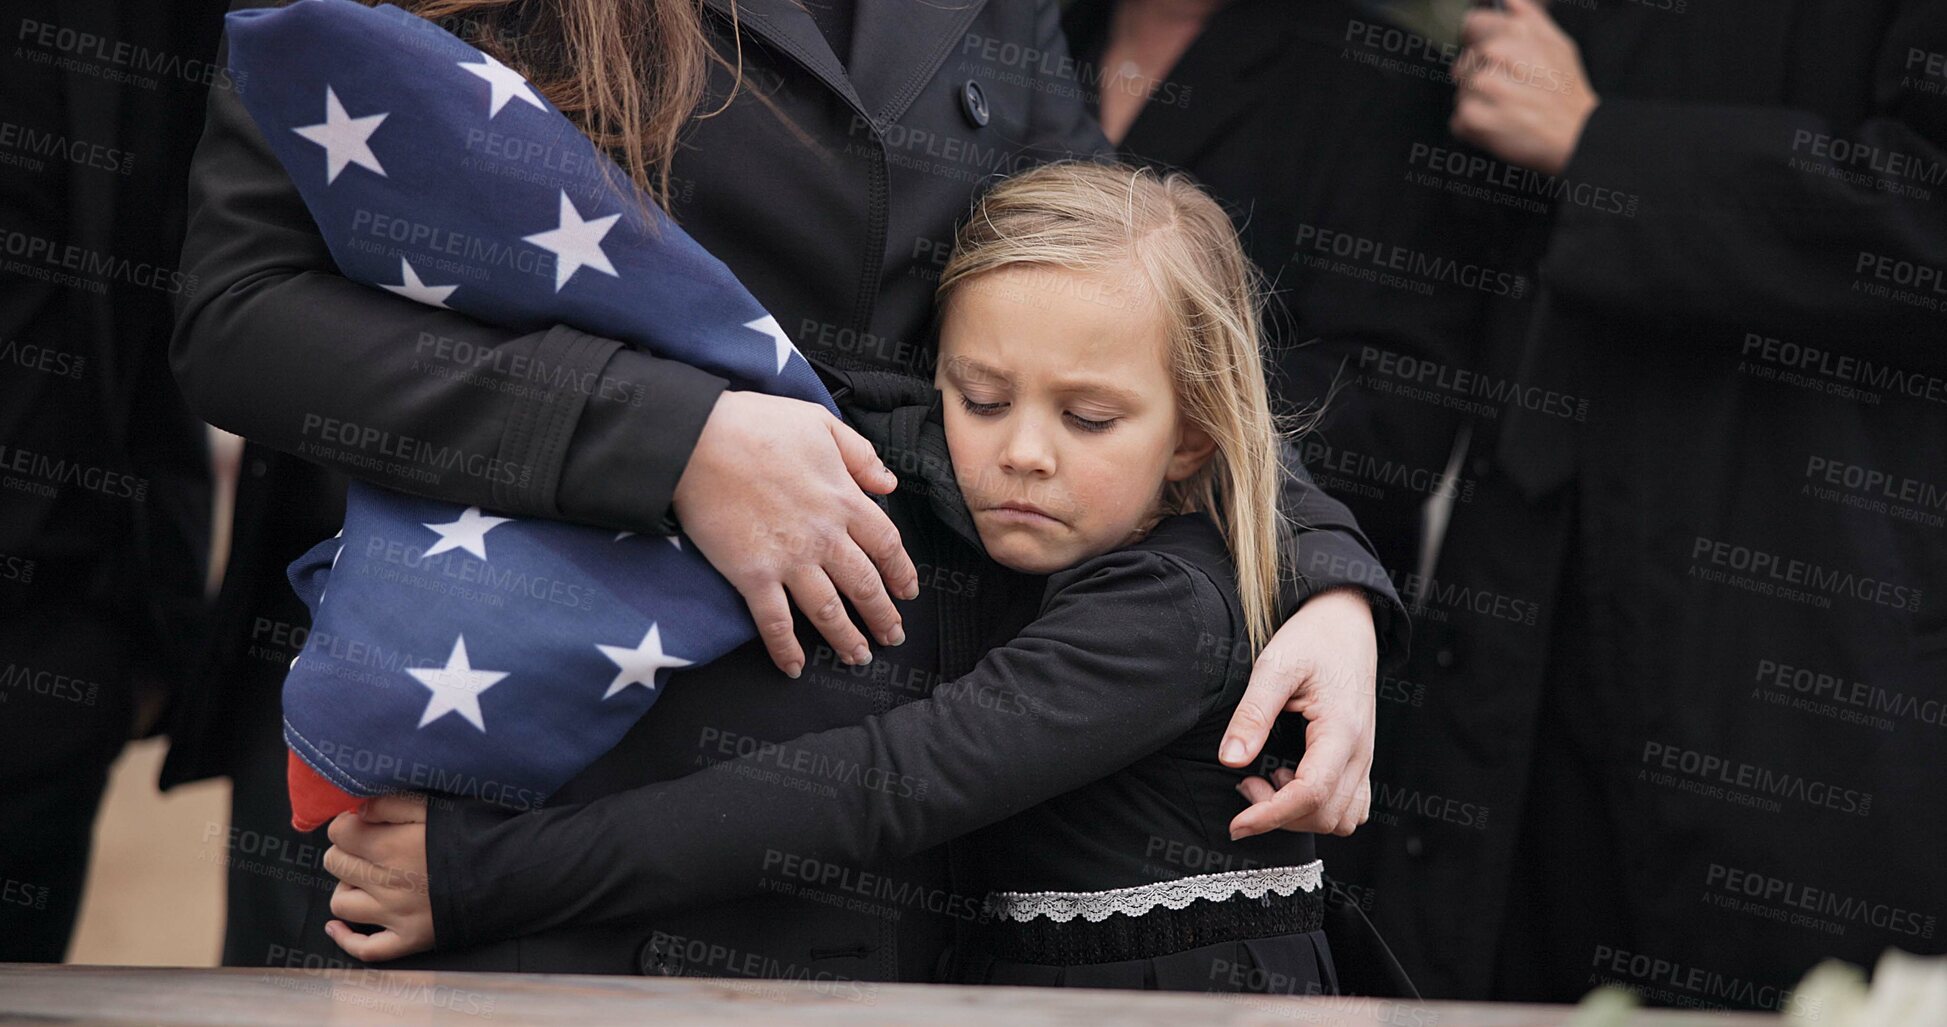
(379, 859)
(1323, 663)
(774, 497)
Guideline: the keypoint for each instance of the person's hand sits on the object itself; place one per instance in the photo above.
(379, 859)
(1323, 663)
(1520, 91)
(772, 498)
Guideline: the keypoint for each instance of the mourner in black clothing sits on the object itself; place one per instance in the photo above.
(1329, 166)
(1735, 677)
(104, 473)
(808, 183)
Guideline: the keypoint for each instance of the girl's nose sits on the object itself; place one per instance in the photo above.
(1028, 449)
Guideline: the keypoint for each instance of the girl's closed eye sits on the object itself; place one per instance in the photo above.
(1088, 424)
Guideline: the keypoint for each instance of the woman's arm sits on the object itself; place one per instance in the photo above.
(274, 345)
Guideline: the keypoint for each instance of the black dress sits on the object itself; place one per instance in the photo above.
(1132, 881)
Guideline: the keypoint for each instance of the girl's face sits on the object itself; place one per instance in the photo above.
(1061, 414)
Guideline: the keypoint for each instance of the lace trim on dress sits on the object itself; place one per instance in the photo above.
(1095, 906)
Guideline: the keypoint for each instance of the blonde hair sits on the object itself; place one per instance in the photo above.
(1096, 216)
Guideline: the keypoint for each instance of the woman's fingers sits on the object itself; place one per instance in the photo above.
(813, 591)
(853, 571)
(879, 539)
(861, 460)
(772, 612)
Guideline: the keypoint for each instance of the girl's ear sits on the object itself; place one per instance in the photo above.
(1193, 449)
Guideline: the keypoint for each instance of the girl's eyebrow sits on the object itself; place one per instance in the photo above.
(966, 367)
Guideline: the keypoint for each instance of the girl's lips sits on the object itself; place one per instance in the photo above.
(1019, 515)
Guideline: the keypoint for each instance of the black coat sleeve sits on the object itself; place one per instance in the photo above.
(1326, 550)
(274, 345)
(1748, 212)
(1118, 664)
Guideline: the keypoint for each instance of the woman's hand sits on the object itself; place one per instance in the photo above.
(379, 859)
(772, 498)
(1322, 663)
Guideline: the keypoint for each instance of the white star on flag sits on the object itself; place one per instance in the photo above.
(639, 665)
(468, 533)
(414, 289)
(769, 326)
(575, 243)
(344, 138)
(456, 687)
(506, 82)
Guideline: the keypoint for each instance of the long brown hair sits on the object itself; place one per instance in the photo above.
(629, 73)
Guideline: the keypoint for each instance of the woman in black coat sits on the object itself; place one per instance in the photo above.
(829, 184)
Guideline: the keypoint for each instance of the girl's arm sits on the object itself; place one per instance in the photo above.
(1129, 654)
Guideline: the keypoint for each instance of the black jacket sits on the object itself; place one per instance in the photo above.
(842, 238)
(1311, 149)
(1746, 522)
(104, 508)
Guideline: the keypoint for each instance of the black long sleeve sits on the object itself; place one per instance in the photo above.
(1119, 663)
(273, 344)
(1788, 221)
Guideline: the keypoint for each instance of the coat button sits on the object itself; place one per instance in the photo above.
(1414, 846)
(1444, 657)
(1483, 465)
(973, 104)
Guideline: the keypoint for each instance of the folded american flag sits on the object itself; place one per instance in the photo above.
(453, 649)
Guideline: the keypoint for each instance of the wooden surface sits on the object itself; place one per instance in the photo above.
(143, 995)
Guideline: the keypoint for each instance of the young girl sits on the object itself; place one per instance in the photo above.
(1107, 416)
(1105, 411)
